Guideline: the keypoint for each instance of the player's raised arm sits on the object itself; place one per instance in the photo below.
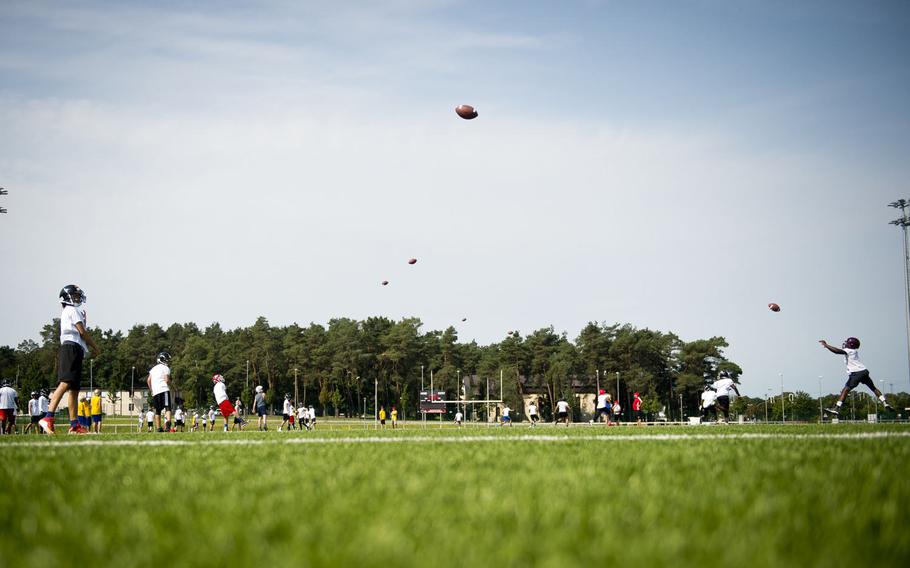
(832, 348)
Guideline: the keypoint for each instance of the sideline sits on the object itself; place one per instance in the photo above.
(279, 440)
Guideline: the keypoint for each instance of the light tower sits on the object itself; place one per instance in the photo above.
(903, 222)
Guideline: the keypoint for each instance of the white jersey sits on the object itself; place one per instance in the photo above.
(603, 401)
(724, 387)
(178, 414)
(301, 413)
(851, 357)
(205, 417)
(212, 415)
(7, 398)
(149, 416)
(68, 319)
(458, 416)
(532, 410)
(159, 373)
(562, 406)
(707, 398)
(43, 403)
(288, 407)
(506, 411)
(33, 408)
(220, 392)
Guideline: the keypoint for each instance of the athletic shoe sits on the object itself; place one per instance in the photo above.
(279, 428)
(833, 411)
(888, 406)
(47, 424)
(77, 429)
(161, 429)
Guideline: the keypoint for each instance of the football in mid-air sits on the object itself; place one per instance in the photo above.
(385, 282)
(466, 112)
(773, 307)
(412, 261)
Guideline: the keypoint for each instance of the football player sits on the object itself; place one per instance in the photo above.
(723, 387)
(159, 383)
(224, 403)
(858, 373)
(75, 342)
(261, 411)
(286, 411)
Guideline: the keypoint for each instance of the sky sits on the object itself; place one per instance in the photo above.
(672, 165)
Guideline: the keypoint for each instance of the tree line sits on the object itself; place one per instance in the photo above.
(338, 365)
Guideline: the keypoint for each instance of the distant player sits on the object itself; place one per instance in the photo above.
(211, 419)
(286, 411)
(43, 403)
(562, 412)
(261, 411)
(159, 383)
(150, 419)
(382, 416)
(533, 415)
(34, 413)
(458, 418)
(8, 403)
(602, 411)
(75, 341)
(179, 423)
(238, 404)
(708, 398)
(394, 415)
(616, 411)
(141, 421)
(195, 420)
(724, 387)
(84, 414)
(636, 408)
(205, 421)
(858, 373)
(506, 416)
(224, 403)
(302, 417)
(95, 408)
(311, 416)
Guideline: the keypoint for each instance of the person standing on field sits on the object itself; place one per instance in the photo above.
(394, 418)
(195, 420)
(179, 425)
(75, 342)
(34, 413)
(150, 419)
(506, 416)
(261, 410)
(211, 419)
(311, 416)
(302, 417)
(636, 408)
(8, 402)
(532, 413)
(382, 416)
(286, 411)
(159, 383)
(562, 412)
(95, 408)
(858, 374)
(224, 403)
(603, 407)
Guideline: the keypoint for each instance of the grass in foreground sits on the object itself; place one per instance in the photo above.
(758, 502)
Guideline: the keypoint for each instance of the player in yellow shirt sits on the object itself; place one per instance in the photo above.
(83, 413)
(382, 417)
(394, 418)
(95, 407)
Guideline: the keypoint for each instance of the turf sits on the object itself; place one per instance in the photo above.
(594, 496)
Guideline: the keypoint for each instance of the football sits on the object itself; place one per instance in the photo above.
(466, 112)
(385, 282)
(773, 307)
(412, 261)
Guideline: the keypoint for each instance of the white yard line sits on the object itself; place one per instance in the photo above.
(456, 439)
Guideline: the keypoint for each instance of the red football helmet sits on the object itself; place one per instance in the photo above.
(216, 378)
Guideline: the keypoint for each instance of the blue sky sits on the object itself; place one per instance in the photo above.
(675, 165)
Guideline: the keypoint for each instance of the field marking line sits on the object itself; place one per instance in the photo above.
(463, 439)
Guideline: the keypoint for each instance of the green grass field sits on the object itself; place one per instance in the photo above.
(834, 495)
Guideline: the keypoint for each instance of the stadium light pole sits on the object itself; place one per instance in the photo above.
(296, 392)
(903, 222)
(783, 414)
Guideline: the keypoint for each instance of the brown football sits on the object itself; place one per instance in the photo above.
(412, 261)
(385, 282)
(466, 112)
(773, 307)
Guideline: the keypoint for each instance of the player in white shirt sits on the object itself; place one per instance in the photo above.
(458, 418)
(562, 411)
(159, 383)
(311, 417)
(178, 420)
(150, 419)
(75, 342)
(211, 419)
(603, 407)
(858, 373)
(302, 418)
(533, 416)
(506, 416)
(8, 402)
(224, 403)
(260, 408)
(708, 398)
(286, 411)
(34, 414)
(724, 387)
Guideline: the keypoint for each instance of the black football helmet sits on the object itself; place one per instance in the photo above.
(851, 343)
(164, 358)
(72, 295)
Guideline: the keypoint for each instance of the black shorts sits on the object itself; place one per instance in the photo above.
(260, 411)
(563, 415)
(36, 419)
(284, 417)
(860, 378)
(162, 401)
(236, 420)
(382, 421)
(69, 369)
(723, 403)
(178, 423)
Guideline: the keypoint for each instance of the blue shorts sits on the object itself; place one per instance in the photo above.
(260, 411)
(96, 418)
(506, 419)
(84, 421)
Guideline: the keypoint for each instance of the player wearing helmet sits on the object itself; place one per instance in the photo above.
(286, 411)
(224, 403)
(8, 403)
(724, 387)
(34, 413)
(857, 373)
(159, 383)
(75, 342)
